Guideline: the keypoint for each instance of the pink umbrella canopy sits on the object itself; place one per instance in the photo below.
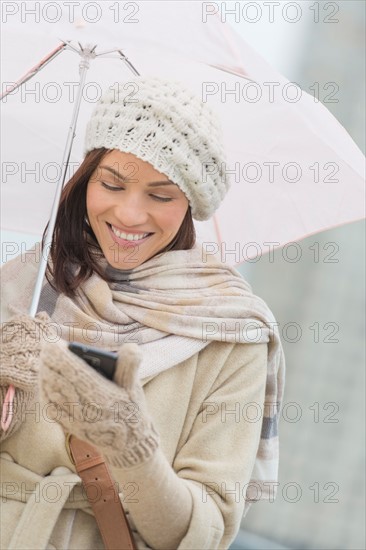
(294, 169)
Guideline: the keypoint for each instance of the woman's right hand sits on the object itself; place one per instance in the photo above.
(110, 415)
(20, 347)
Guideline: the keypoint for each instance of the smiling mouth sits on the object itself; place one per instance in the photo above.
(128, 237)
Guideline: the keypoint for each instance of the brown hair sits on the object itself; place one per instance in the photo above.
(69, 240)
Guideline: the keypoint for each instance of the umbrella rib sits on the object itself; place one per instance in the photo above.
(230, 71)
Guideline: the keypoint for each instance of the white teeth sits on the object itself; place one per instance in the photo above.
(128, 236)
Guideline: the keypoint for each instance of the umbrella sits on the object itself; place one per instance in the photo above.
(294, 169)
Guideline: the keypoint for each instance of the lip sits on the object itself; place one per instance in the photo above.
(125, 242)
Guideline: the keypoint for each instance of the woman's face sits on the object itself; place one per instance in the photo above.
(134, 210)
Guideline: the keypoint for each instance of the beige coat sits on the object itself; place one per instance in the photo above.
(208, 443)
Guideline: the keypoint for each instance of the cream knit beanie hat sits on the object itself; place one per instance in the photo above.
(162, 122)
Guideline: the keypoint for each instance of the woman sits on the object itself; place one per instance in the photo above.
(199, 357)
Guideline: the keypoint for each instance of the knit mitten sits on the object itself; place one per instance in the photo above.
(112, 417)
(20, 344)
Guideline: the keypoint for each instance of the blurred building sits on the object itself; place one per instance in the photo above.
(321, 499)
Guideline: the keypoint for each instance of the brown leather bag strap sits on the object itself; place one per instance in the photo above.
(102, 495)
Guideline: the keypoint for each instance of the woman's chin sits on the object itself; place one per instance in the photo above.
(127, 262)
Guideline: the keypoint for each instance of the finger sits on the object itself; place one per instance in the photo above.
(43, 317)
(128, 362)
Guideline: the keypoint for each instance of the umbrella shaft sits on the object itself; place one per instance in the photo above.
(84, 65)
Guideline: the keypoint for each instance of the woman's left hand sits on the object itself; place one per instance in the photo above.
(112, 417)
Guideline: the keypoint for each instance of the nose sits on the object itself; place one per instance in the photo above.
(131, 210)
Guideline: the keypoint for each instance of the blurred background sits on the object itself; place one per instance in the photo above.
(321, 494)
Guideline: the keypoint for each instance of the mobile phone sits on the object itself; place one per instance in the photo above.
(102, 361)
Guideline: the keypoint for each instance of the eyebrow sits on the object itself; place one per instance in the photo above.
(123, 178)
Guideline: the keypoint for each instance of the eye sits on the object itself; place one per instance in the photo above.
(161, 199)
(111, 187)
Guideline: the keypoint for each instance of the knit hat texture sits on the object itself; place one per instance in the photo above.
(164, 123)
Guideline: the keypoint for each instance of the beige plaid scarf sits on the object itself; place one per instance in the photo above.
(173, 305)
